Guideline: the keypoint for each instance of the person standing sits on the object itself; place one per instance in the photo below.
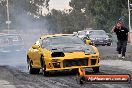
(123, 36)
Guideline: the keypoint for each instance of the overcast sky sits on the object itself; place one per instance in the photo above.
(59, 4)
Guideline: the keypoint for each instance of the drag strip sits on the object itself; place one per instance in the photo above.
(121, 64)
(14, 74)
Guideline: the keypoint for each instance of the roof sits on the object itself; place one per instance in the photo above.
(94, 30)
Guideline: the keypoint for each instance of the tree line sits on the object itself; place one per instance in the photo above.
(96, 14)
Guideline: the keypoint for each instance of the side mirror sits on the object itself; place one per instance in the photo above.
(35, 46)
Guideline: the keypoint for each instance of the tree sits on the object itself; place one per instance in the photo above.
(22, 12)
(104, 12)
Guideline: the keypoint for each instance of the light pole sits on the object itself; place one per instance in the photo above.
(129, 11)
(8, 16)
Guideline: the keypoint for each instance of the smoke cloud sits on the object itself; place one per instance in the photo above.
(30, 27)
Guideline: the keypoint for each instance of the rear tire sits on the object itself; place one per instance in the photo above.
(109, 44)
(95, 69)
(31, 69)
(103, 45)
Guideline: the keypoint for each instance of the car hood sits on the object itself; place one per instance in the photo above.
(71, 48)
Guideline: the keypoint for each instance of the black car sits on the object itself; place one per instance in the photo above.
(11, 45)
(99, 37)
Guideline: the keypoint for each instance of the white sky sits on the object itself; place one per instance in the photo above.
(59, 4)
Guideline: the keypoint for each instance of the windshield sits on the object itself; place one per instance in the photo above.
(97, 33)
(64, 40)
(82, 33)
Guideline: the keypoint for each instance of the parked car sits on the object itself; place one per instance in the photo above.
(11, 45)
(82, 35)
(99, 37)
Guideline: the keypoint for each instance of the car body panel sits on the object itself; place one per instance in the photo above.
(71, 54)
(88, 42)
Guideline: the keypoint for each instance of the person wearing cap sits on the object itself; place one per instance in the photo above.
(123, 36)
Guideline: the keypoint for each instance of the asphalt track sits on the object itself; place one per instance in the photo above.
(14, 74)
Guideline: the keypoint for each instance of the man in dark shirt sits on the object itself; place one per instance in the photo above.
(123, 36)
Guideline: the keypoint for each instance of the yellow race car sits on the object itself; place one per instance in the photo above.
(61, 52)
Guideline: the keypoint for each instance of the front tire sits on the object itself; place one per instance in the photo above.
(31, 69)
(82, 80)
(44, 72)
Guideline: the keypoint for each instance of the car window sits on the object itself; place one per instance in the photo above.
(44, 43)
(97, 33)
(62, 40)
(81, 33)
(39, 42)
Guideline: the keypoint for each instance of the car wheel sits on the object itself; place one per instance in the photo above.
(109, 44)
(95, 69)
(75, 71)
(32, 70)
(82, 80)
(44, 72)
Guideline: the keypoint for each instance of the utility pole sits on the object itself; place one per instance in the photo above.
(129, 11)
(8, 16)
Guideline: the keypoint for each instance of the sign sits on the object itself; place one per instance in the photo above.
(8, 22)
(106, 78)
(130, 6)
